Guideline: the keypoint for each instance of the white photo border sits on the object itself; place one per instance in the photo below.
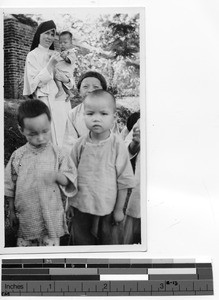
(90, 248)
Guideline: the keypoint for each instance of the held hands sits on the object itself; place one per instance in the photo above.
(118, 216)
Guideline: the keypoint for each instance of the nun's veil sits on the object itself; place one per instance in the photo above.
(43, 27)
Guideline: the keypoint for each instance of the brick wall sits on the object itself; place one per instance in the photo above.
(17, 42)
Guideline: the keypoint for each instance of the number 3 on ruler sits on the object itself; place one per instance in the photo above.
(161, 285)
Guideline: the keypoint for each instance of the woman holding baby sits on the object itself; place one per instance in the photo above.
(39, 78)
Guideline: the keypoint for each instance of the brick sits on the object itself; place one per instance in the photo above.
(17, 41)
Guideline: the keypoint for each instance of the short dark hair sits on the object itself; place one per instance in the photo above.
(31, 109)
(95, 75)
(103, 93)
(132, 119)
(66, 33)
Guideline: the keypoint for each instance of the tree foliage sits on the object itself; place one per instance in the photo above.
(107, 43)
(123, 36)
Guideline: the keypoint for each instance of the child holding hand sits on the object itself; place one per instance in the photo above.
(35, 177)
(104, 176)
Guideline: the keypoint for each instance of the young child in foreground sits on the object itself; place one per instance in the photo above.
(104, 176)
(34, 177)
(67, 64)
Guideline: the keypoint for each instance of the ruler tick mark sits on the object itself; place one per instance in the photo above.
(154, 285)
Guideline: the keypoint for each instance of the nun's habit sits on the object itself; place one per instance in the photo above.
(39, 83)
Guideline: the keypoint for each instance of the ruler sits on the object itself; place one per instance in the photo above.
(105, 277)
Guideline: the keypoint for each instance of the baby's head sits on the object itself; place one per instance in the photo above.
(100, 112)
(34, 120)
(89, 82)
(65, 40)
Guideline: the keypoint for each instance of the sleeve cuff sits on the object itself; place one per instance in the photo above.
(44, 76)
(71, 189)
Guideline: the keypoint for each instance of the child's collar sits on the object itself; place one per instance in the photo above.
(100, 141)
(35, 149)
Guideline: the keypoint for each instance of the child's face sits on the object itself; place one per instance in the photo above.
(88, 85)
(99, 114)
(65, 42)
(37, 130)
(47, 38)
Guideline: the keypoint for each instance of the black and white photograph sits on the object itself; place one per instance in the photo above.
(74, 130)
(109, 139)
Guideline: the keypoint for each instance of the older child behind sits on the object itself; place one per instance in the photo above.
(34, 177)
(133, 211)
(104, 176)
(67, 64)
(75, 126)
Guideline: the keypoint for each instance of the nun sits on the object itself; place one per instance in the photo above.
(39, 78)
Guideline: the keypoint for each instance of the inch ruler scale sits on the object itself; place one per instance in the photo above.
(105, 277)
